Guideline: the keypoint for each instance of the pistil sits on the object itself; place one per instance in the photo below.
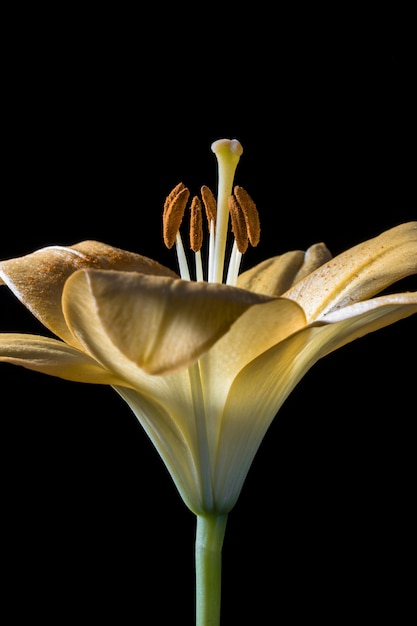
(228, 153)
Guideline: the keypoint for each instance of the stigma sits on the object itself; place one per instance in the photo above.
(232, 222)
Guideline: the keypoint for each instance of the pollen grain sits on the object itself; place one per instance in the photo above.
(210, 204)
(251, 214)
(174, 208)
(196, 225)
(239, 227)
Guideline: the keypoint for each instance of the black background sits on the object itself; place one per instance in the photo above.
(102, 115)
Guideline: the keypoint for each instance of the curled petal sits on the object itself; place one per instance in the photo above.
(38, 279)
(275, 275)
(158, 323)
(358, 273)
(361, 318)
(50, 356)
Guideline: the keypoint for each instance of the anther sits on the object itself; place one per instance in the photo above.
(170, 197)
(210, 204)
(251, 214)
(196, 225)
(239, 226)
(174, 208)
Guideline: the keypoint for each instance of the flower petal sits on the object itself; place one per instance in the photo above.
(263, 385)
(37, 279)
(255, 397)
(358, 273)
(256, 331)
(158, 323)
(362, 318)
(164, 428)
(162, 404)
(277, 274)
(53, 357)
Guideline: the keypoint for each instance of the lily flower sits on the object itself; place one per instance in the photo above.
(204, 364)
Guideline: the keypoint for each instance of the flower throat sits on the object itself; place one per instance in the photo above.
(231, 201)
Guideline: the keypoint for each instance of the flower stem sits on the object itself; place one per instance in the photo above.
(208, 558)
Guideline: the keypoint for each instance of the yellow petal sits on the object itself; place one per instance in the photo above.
(277, 274)
(161, 403)
(160, 324)
(53, 357)
(358, 273)
(263, 385)
(163, 425)
(255, 397)
(256, 331)
(361, 318)
(163, 416)
(37, 279)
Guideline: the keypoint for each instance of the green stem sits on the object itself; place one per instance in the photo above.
(208, 562)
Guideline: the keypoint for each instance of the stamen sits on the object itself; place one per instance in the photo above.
(182, 259)
(239, 226)
(174, 208)
(196, 225)
(196, 236)
(172, 195)
(234, 265)
(250, 213)
(210, 204)
(233, 201)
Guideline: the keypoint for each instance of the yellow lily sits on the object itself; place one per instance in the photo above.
(205, 365)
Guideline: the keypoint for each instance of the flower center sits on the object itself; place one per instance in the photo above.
(233, 207)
